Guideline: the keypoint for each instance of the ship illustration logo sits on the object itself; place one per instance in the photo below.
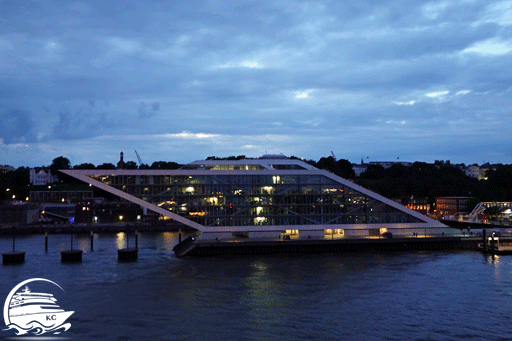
(34, 312)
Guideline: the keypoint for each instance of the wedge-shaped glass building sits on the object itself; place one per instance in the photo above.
(265, 198)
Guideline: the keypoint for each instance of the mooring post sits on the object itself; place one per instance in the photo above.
(92, 241)
(136, 240)
(13, 242)
(484, 234)
(179, 235)
(46, 241)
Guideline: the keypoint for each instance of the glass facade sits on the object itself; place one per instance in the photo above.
(254, 200)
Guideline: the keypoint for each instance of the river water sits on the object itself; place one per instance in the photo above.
(345, 296)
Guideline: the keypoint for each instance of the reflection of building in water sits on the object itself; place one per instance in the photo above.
(264, 197)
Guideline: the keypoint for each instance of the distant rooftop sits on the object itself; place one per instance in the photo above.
(273, 156)
(265, 162)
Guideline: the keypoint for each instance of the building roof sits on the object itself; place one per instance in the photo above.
(267, 161)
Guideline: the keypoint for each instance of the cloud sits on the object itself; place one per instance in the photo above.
(490, 47)
(248, 64)
(123, 45)
(80, 124)
(462, 92)
(223, 75)
(47, 51)
(145, 112)
(396, 122)
(404, 103)
(189, 135)
(499, 12)
(433, 10)
(16, 126)
(303, 94)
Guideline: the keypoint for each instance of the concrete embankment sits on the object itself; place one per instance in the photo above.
(239, 247)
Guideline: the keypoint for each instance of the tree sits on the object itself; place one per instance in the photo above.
(373, 172)
(327, 163)
(106, 166)
(164, 165)
(14, 183)
(84, 166)
(60, 162)
(130, 165)
(344, 169)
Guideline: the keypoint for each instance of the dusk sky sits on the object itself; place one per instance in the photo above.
(184, 80)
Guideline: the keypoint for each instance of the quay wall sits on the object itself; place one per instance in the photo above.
(340, 245)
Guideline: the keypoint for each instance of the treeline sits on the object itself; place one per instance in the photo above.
(425, 180)
(64, 163)
(420, 179)
(434, 180)
(14, 184)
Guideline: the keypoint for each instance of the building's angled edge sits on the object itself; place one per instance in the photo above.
(428, 221)
(83, 176)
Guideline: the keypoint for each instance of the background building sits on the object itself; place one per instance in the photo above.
(59, 196)
(42, 176)
(449, 206)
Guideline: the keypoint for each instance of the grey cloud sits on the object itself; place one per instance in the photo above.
(145, 112)
(358, 58)
(16, 126)
(81, 124)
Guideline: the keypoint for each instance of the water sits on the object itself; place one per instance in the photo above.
(347, 296)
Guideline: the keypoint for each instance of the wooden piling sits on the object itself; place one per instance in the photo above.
(71, 256)
(127, 255)
(15, 257)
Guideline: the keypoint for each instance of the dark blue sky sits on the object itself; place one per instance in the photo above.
(183, 80)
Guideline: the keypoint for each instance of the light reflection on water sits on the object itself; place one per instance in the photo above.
(349, 296)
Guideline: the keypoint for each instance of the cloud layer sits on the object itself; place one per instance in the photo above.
(180, 81)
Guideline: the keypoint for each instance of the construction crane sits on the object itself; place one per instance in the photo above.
(138, 158)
